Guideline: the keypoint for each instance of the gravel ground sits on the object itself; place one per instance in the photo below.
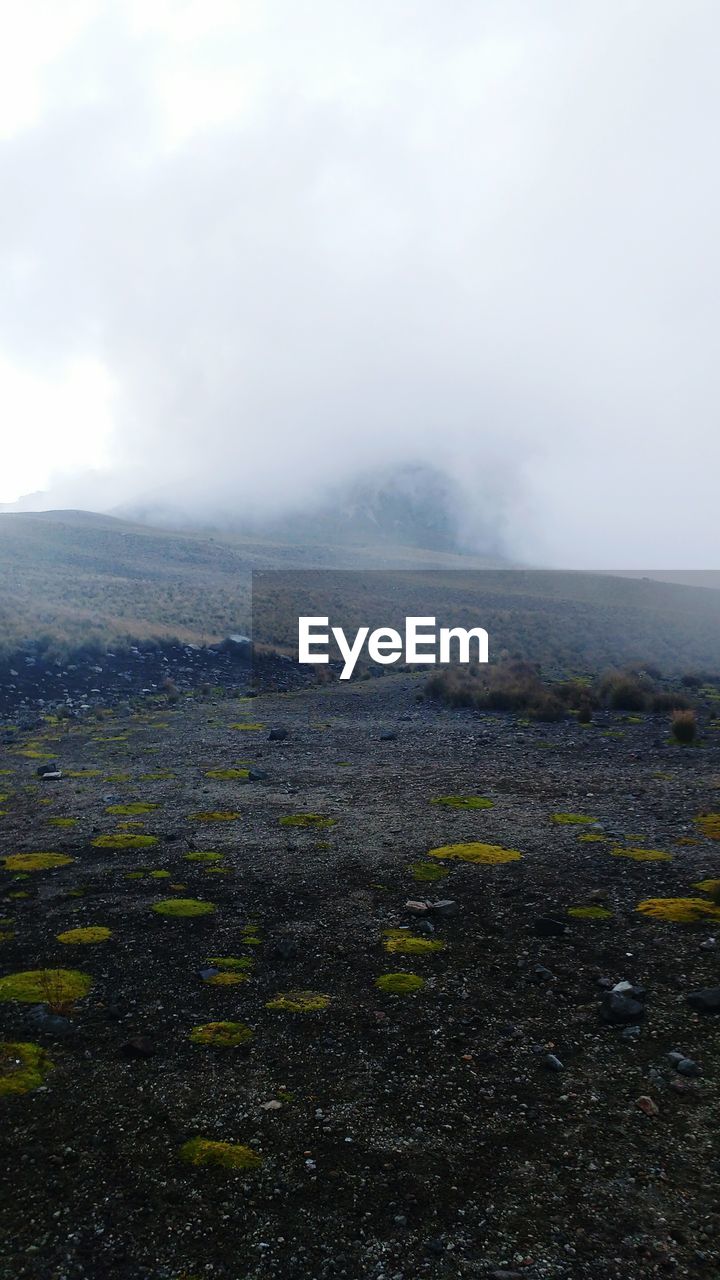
(489, 1124)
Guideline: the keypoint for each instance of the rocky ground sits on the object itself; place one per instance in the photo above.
(511, 1116)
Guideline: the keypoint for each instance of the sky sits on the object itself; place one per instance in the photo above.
(248, 250)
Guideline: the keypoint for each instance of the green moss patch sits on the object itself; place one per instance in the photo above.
(46, 986)
(592, 837)
(641, 855)
(250, 936)
(223, 1155)
(590, 913)
(488, 855)
(221, 1035)
(215, 815)
(709, 824)
(317, 820)
(233, 964)
(226, 979)
(182, 908)
(679, 910)
(23, 1066)
(463, 802)
(399, 984)
(571, 819)
(131, 810)
(84, 936)
(428, 871)
(708, 886)
(298, 1002)
(62, 822)
(250, 727)
(198, 856)
(161, 874)
(404, 943)
(229, 775)
(36, 861)
(124, 840)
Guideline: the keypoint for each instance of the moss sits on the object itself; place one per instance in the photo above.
(36, 861)
(240, 964)
(124, 840)
(229, 775)
(134, 875)
(62, 822)
(641, 855)
(399, 984)
(679, 910)
(463, 802)
(298, 1002)
(198, 856)
(404, 943)
(485, 854)
(709, 824)
(183, 907)
(160, 875)
(215, 815)
(224, 1155)
(160, 775)
(571, 819)
(221, 1035)
(250, 936)
(685, 840)
(708, 886)
(250, 726)
(131, 810)
(7, 935)
(317, 820)
(91, 933)
(428, 871)
(46, 986)
(83, 773)
(117, 777)
(592, 837)
(23, 1066)
(226, 979)
(590, 913)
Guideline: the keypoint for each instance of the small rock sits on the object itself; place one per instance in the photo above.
(138, 1047)
(388, 737)
(549, 927)
(257, 775)
(686, 1067)
(618, 1009)
(416, 908)
(707, 1000)
(273, 1105)
(630, 1033)
(445, 907)
(551, 1063)
(277, 735)
(647, 1106)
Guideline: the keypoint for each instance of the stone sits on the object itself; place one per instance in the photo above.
(647, 1106)
(549, 927)
(416, 908)
(551, 1063)
(445, 907)
(277, 735)
(707, 1000)
(138, 1047)
(687, 1067)
(619, 1009)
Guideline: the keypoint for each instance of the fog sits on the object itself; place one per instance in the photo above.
(288, 242)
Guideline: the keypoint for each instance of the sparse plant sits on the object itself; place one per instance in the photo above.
(684, 726)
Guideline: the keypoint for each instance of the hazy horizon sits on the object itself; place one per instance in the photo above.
(249, 253)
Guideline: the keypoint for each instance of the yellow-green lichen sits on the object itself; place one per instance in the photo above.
(86, 935)
(161, 874)
(224, 1155)
(679, 910)
(592, 837)
(463, 802)
(46, 986)
(23, 1066)
(36, 861)
(250, 726)
(124, 840)
(234, 964)
(183, 907)
(571, 819)
(221, 1035)
(404, 943)
(62, 822)
(298, 1002)
(198, 856)
(590, 913)
(317, 820)
(488, 855)
(226, 979)
(641, 855)
(708, 886)
(709, 824)
(250, 935)
(399, 984)
(214, 815)
(229, 775)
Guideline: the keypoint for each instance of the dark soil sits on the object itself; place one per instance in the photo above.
(421, 1135)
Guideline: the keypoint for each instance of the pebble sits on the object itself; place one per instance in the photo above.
(707, 1000)
(552, 1063)
(647, 1106)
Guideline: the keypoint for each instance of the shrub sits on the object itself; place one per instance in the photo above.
(684, 726)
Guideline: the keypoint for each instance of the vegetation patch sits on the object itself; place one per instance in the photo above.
(249, 727)
(679, 910)
(708, 886)
(223, 1155)
(215, 815)
(23, 1066)
(131, 810)
(426, 872)
(234, 964)
(221, 1035)
(124, 840)
(229, 775)
(404, 943)
(463, 802)
(709, 824)
(298, 1002)
(642, 855)
(250, 935)
(198, 856)
(590, 913)
(179, 908)
(83, 773)
(488, 855)
(316, 820)
(89, 934)
(571, 819)
(62, 822)
(54, 987)
(36, 861)
(226, 979)
(592, 837)
(400, 984)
